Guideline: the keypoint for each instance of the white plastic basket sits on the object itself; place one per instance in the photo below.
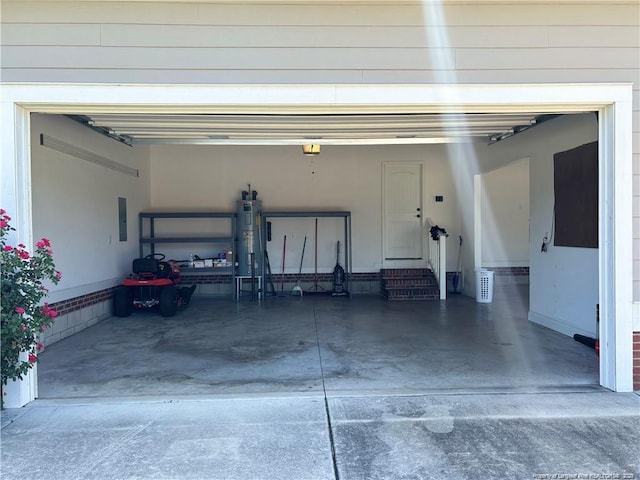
(484, 285)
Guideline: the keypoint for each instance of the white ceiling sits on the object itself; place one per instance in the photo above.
(298, 129)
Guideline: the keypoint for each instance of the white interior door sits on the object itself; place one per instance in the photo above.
(402, 196)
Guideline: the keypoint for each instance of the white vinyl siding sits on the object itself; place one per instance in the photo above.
(384, 36)
(471, 13)
(149, 42)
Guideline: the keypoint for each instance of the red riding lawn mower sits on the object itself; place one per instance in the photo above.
(152, 283)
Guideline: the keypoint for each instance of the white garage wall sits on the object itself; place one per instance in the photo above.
(75, 205)
(505, 216)
(340, 178)
(563, 281)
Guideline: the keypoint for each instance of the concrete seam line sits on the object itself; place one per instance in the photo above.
(336, 473)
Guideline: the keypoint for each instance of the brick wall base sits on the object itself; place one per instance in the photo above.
(361, 283)
(78, 313)
(510, 275)
(502, 276)
(636, 360)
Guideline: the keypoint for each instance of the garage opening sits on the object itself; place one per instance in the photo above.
(425, 347)
(187, 175)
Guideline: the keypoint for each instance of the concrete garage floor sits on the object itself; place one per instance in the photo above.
(321, 388)
(364, 345)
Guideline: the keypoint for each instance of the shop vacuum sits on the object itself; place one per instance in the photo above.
(338, 276)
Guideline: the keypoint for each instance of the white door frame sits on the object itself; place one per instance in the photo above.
(613, 102)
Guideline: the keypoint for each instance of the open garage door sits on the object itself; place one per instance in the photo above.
(610, 102)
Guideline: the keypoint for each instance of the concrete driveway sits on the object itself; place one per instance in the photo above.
(492, 436)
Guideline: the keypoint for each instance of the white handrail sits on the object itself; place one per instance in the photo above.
(437, 251)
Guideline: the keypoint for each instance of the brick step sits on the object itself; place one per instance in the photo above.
(410, 288)
(412, 297)
(411, 294)
(409, 282)
(405, 273)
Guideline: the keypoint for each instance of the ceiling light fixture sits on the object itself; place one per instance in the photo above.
(311, 149)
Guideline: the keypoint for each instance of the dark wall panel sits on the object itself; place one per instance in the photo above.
(575, 176)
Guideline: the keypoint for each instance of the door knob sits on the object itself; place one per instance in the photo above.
(418, 215)
(417, 209)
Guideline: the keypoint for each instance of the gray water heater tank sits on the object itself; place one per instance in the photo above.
(248, 236)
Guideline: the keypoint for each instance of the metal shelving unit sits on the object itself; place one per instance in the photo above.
(152, 239)
(148, 241)
(319, 214)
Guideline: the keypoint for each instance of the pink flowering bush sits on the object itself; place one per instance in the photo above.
(23, 316)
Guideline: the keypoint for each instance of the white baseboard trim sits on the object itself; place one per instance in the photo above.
(558, 325)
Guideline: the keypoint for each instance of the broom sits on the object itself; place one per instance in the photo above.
(297, 289)
(455, 280)
(284, 253)
(315, 286)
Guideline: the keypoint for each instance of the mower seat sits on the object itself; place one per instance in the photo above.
(146, 266)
